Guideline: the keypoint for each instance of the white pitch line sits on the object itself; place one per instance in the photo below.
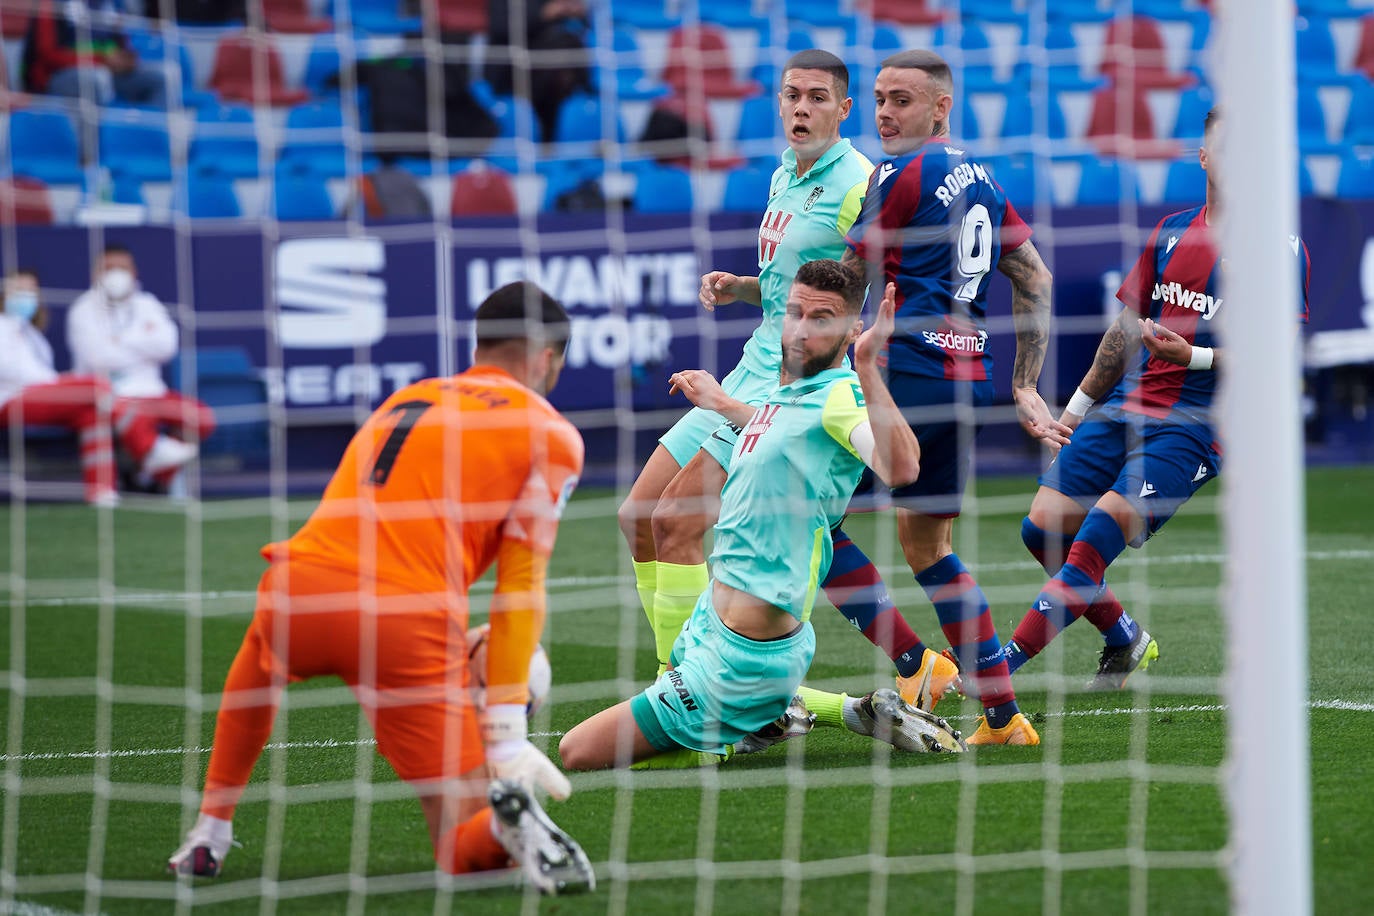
(148, 599)
(329, 743)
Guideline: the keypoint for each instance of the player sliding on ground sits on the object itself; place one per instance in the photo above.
(740, 657)
(447, 477)
(814, 197)
(1138, 456)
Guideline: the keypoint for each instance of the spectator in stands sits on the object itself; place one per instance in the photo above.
(118, 331)
(79, 49)
(33, 393)
(557, 63)
(390, 192)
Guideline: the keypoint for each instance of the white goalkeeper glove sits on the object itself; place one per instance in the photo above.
(511, 756)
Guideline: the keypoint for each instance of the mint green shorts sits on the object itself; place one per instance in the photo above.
(708, 430)
(722, 686)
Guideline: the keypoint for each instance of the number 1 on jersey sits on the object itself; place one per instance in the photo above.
(408, 413)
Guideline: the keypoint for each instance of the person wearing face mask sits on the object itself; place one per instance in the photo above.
(120, 332)
(32, 392)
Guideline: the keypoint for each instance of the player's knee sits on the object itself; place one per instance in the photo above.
(572, 751)
(675, 523)
(1032, 533)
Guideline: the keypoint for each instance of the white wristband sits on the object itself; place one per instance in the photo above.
(1078, 404)
(504, 722)
(1201, 358)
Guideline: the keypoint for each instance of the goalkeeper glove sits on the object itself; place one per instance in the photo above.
(511, 756)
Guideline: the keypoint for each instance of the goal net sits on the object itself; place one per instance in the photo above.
(612, 154)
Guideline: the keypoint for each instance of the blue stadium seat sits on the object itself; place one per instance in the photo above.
(127, 189)
(969, 53)
(1015, 175)
(1312, 137)
(227, 382)
(301, 197)
(225, 141)
(515, 117)
(322, 65)
(631, 80)
(314, 140)
(1316, 51)
(1185, 182)
(139, 147)
(1065, 70)
(758, 119)
(1107, 182)
(211, 197)
(377, 17)
(1330, 8)
(644, 14)
(825, 14)
(1356, 178)
(965, 122)
(582, 120)
(1023, 120)
(152, 48)
(1359, 121)
(1081, 10)
(1193, 105)
(746, 190)
(995, 11)
(663, 189)
(43, 145)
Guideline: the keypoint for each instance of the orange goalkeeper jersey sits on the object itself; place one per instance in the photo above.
(433, 483)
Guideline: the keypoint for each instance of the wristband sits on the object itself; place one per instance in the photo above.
(504, 722)
(1201, 358)
(1078, 404)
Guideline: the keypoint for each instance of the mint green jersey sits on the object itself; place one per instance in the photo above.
(806, 220)
(791, 477)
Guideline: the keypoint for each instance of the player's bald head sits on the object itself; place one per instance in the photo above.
(522, 312)
(830, 276)
(932, 64)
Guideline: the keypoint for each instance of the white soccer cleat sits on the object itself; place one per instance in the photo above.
(795, 721)
(167, 453)
(552, 861)
(203, 853)
(884, 716)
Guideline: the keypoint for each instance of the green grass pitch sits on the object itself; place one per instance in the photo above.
(1120, 810)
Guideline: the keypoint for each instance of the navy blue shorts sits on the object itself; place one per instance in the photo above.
(944, 414)
(1155, 465)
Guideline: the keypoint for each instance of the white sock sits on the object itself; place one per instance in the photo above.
(850, 712)
(219, 831)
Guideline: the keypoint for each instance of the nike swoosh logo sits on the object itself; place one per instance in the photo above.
(719, 438)
(663, 698)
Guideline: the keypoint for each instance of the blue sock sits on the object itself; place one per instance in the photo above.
(1014, 655)
(967, 623)
(1122, 632)
(855, 587)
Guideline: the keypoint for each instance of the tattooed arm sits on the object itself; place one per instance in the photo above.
(1030, 306)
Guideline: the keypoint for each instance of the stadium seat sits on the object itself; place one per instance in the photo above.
(1316, 51)
(582, 119)
(663, 189)
(315, 140)
(460, 17)
(211, 197)
(1364, 54)
(293, 17)
(1356, 177)
(135, 146)
(322, 65)
(25, 201)
(225, 141)
(151, 48)
(1185, 183)
(631, 80)
(43, 145)
(127, 189)
(903, 12)
(1081, 10)
(226, 381)
(746, 190)
(825, 14)
(969, 52)
(699, 62)
(1312, 132)
(1121, 124)
(301, 197)
(1023, 119)
(249, 69)
(14, 20)
(1133, 54)
(378, 17)
(482, 191)
(1107, 182)
(1016, 176)
(515, 118)
(1359, 122)
(644, 14)
(1193, 105)
(1065, 62)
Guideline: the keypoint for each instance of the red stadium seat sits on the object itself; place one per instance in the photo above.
(1133, 52)
(902, 12)
(1364, 57)
(482, 192)
(24, 200)
(14, 18)
(293, 17)
(236, 78)
(1121, 125)
(699, 65)
(462, 16)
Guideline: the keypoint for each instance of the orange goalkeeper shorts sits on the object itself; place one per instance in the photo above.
(407, 668)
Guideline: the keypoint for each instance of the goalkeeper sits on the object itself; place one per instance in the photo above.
(743, 652)
(446, 477)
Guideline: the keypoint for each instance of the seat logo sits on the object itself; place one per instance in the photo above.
(328, 294)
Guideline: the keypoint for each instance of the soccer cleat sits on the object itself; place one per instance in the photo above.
(795, 721)
(884, 716)
(551, 860)
(201, 855)
(1017, 731)
(928, 686)
(167, 453)
(1117, 663)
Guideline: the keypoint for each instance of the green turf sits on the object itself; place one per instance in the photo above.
(1074, 826)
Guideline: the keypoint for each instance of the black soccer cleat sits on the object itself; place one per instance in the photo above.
(1117, 663)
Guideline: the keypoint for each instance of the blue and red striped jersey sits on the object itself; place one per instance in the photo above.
(938, 223)
(1177, 282)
